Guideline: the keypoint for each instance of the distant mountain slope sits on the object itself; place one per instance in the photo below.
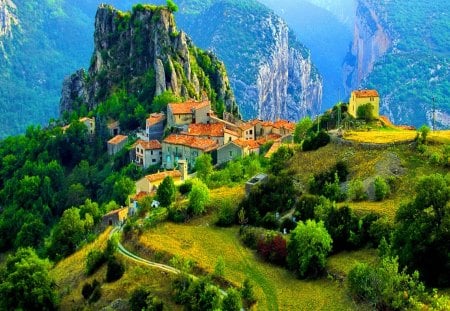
(403, 50)
(40, 43)
(271, 73)
(325, 33)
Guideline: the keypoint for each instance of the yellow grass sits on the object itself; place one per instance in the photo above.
(442, 137)
(386, 208)
(381, 137)
(343, 262)
(275, 287)
(70, 278)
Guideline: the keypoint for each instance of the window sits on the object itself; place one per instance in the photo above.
(151, 152)
(231, 153)
(251, 132)
(153, 160)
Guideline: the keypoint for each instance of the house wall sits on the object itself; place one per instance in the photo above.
(356, 102)
(202, 114)
(178, 152)
(228, 137)
(143, 185)
(152, 157)
(156, 131)
(114, 148)
(228, 152)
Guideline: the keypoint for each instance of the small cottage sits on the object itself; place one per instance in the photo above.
(116, 217)
(116, 144)
(363, 97)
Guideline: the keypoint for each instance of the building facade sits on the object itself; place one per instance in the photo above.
(148, 153)
(116, 144)
(363, 97)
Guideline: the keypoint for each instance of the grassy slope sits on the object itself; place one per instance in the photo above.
(70, 278)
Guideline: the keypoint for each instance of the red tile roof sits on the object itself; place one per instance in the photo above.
(198, 129)
(162, 175)
(140, 196)
(204, 144)
(155, 118)
(284, 123)
(233, 133)
(148, 145)
(270, 137)
(252, 144)
(117, 139)
(187, 107)
(365, 93)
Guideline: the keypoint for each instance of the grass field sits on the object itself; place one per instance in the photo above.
(393, 136)
(70, 277)
(276, 288)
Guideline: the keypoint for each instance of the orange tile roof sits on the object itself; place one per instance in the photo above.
(148, 145)
(162, 175)
(246, 126)
(284, 123)
(155, 118)
(252, 144)
(270, 137)
(204, 144)
(187, 107)
(117, 139)
(215, 129)
(140, 196)
(233, 133)
(365, 93)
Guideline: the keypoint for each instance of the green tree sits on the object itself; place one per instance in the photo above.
(232, 301)
(198, 197)
(166, 191)
(302, 128)
(424, 131)
(422, 235)
(308, 248)
(382, 188)
(171, 6)
(160, 102)
(356, 191)
(25, 283)
(203, 166)
(123, 187)
(365, 112)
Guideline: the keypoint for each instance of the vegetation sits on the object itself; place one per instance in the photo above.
(166, 191)
(308, 248)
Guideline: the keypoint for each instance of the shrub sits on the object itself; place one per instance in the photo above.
(203, 295)
(94, 260)
(198, 198)
(87, 290)
(247, 293)
(288, 224)
(166, 192)
(115, 270)
(251, 235)
(382, 188)
(379, 229)
(304, 208)
(342, 225)
(356, 191)
(227, 213)
(316, 141)
(332, 190)
(273, 249)
(142, 299)
(270, 221)
(232, 301)
(308, 248)
(185, 187)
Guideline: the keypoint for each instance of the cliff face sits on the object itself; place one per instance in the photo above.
(8, 17)
(371, 42)
(287, 84)
(271, 72)
(144, 51)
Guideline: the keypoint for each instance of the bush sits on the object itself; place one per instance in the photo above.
(316, 141)
(115, 270)
(382, 188)
(332, 190)
(232, 301)
(273, 249)
(251, 235)
(270, 221)
(342, 225)
(288, 224)
(379, 229)
(247, 293)
(304, 208)
(185, 187)
(308, 248)
(91, 292)
(166, 192)
(87, 290)
(142, 299)
(94, 260)
(356, 191)
(198, 198)
(227, 214)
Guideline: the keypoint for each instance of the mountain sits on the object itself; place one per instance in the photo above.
(41, 42)
(143, 53)
(403, 51)
(271, 73)
(324, 29)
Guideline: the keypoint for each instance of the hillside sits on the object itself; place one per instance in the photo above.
(402, 50)
(270, 70)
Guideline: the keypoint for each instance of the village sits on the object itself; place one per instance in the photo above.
(194, 129)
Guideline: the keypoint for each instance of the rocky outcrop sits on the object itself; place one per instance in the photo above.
(8, 17)
(371, 42)
(271, 73)
(144, 52)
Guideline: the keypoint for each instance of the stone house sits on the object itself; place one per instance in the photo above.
(362, 97)
(116, 217)
(184, 147)
(151, 182)
(212, 131)
(147, 153)
(116, 144)
(236, 149)
(113, 128)
(154, 126)
(188, 112)
(90, 124)
(254, 181)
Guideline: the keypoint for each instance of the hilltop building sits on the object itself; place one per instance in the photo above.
(362, 97)
(188, 112)
(147, 153)
(116, 144)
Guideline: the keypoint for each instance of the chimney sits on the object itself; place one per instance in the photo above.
(183, 167)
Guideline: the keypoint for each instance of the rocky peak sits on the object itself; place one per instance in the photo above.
(144, 51)
(8, 17)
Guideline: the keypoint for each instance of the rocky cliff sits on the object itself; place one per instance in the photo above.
(144, 52)
(371, 42)
(271, 73)
(8, 17)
